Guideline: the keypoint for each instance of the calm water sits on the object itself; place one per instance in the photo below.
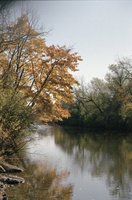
(96, 166)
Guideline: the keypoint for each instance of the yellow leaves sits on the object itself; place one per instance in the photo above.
(35, 46)
(40, 72)
(3, 62)
(64, 57)
(50, 112)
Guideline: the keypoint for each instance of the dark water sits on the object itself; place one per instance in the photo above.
(90, 166)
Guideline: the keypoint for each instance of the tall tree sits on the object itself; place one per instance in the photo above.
(41, 73)
(35, 80)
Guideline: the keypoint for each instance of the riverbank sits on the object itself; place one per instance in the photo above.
(7, 179)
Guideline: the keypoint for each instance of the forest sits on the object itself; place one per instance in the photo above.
(105, 103)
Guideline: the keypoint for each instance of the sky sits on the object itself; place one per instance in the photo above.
(100, 31)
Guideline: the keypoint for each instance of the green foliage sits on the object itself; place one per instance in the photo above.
(13, 113)
(15, 118)
(105, 104)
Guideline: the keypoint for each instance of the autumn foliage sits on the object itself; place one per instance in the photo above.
(40, 73)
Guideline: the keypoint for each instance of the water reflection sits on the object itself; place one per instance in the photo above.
(100, 166)
(108, 156)
(42, 182)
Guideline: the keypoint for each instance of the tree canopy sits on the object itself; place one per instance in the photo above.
(36, 80)
(41, 73)
(106, 103)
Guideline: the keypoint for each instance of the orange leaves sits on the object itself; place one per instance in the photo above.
(42, 73)
(64, 57)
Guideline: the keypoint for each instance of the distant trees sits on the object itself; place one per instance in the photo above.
(106, 103)
(120, 84)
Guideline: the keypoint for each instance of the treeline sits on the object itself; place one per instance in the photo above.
(107, 103)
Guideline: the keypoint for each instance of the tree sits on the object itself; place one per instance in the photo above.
(120, 84)
(40, 72)
(35, 80)
(106, 103)
(94, 99)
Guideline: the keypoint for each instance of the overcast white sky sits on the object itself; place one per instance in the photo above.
(101, 31)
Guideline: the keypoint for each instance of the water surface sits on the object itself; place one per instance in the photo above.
(97, 166)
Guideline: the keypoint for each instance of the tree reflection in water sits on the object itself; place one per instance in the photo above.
(42, 182)
(103, 155)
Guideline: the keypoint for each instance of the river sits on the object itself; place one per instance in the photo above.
(88, 166)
